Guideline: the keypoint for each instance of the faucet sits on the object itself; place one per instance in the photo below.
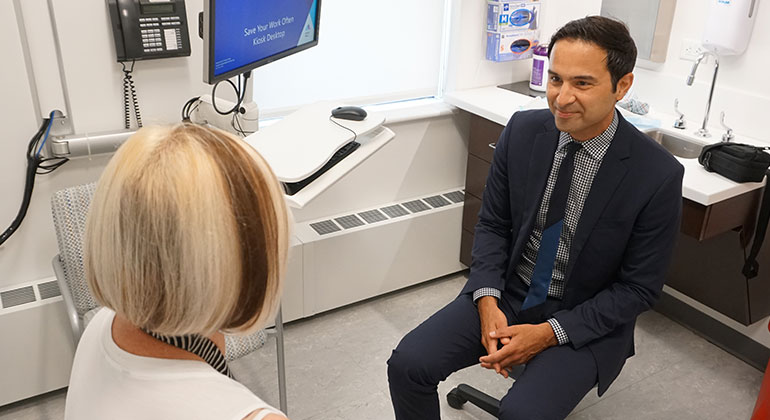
(679, 123)
(726, 137)
(703, 131)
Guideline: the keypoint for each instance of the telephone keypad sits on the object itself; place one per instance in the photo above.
(152, 40)
(156, 30)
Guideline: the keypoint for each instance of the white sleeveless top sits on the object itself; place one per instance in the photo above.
(109, 383)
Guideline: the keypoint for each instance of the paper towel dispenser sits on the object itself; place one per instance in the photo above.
(729, 26)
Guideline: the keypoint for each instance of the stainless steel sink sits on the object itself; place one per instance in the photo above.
(677, 145)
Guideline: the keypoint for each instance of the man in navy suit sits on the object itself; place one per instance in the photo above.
(577, 226)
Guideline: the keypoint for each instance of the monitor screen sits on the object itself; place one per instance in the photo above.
(240, 35)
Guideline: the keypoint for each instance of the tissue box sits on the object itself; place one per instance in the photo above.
(510, 46)
(512, 16)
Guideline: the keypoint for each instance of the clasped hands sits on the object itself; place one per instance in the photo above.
(520, 343)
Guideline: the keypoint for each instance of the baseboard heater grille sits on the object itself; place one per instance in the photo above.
(349, 221)
(456, 196)
(26, 294)
(395, 211)
(373, 216)
(49, 289)
(415, 206)
(437, 201)
(325, 227)
(17, 297)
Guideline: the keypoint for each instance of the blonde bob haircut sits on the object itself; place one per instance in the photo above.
(187, 233)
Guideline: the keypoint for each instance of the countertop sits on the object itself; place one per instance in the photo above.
(698, 185)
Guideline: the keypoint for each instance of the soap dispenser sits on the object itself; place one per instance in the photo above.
(539, 77)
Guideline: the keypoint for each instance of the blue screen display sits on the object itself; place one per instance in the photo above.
(246, 31)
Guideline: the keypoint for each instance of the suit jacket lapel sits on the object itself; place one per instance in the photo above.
(606, 181)
(540, 162)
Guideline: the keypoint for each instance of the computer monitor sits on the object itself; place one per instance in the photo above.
(241, 35)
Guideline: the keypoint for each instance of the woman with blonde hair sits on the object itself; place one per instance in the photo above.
(186, 240)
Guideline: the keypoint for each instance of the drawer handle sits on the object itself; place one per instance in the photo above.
(493, 146)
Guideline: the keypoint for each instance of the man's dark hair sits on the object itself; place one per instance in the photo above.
(610, 35)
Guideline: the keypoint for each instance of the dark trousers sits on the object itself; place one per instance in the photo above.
(552, 384)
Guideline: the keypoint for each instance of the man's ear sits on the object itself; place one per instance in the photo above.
(624, 83)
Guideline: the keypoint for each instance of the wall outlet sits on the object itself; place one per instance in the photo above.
(691, 49)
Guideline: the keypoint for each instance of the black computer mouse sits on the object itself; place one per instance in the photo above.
(349, 113)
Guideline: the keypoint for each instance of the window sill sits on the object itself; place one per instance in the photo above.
(399, 112)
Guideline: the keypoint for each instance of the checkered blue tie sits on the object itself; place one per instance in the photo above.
(554, 220)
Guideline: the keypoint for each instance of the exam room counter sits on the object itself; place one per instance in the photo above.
(718, 215)
(497, 105)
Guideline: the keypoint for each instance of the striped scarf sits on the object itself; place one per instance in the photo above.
(200, 346)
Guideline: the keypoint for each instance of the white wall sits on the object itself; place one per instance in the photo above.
(741, 87)
(468, 67)
(94, 83)
(26, 256)
(18, 122)
(94, 78)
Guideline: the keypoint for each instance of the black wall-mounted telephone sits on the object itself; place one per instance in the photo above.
(144, 29)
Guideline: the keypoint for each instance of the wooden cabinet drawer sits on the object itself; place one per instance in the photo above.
(476, 176)
(709, 256)
(471, 212)
(483, 133)
(710, 272)
(704, 222)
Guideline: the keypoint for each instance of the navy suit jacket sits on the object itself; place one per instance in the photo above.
(622, 244)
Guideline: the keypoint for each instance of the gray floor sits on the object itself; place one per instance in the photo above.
(336, 369)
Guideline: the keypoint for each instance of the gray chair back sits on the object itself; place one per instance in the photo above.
(70, 210)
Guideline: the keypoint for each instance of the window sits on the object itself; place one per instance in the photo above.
(368, 51)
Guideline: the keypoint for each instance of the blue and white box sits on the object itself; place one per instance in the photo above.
(511, 46)
(508, 16)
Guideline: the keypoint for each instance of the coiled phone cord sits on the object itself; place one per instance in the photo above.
(130, 90)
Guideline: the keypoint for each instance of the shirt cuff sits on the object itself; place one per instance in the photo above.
(561, 335)
(486, 291)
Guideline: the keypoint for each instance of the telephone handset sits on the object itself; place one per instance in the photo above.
(148, 29)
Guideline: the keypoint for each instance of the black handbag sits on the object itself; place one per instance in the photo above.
(743, 163)
(736, 161)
